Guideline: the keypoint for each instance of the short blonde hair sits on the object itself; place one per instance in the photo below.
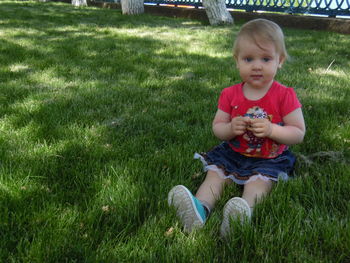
(262, 30)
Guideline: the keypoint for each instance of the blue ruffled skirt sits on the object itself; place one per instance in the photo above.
(242, 169)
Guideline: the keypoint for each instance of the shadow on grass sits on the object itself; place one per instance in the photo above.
(76, 105)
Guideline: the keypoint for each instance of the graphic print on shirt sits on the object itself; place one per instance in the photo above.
(255, 143)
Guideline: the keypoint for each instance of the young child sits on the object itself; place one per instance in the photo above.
(256, 120)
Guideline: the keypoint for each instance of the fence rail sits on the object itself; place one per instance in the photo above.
(330, 8)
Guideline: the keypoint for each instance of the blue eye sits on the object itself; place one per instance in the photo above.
(248, 59)
(266, 59)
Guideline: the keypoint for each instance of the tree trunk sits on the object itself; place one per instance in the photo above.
(217, 12)
(132, 7)
(79, 2)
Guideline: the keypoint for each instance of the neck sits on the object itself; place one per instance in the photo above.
(253, 93)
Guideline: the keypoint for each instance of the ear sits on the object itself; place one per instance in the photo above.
(282, 59)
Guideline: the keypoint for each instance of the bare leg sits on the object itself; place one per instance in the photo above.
(211, 189)
(255, 190)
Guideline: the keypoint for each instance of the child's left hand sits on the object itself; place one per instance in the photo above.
(261, 128)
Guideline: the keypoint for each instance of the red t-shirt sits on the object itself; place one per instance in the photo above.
(278, 102)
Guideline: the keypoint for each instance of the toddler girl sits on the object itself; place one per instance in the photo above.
(256, 120)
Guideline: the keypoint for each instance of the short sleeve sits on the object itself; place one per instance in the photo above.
(290, 102)
(224, 101)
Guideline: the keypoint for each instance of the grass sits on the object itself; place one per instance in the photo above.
(101, 114)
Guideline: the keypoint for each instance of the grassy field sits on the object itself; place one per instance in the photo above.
(101, 114)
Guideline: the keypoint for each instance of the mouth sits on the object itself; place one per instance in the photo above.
(256, 76)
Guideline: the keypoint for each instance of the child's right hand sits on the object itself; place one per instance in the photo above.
(239, 125)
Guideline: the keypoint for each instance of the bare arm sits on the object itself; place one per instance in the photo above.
(226, 129)
(292, 132)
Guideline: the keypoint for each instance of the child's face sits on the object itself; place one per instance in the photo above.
(257, 63)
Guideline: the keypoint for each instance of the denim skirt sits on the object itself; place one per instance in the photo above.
(242, 169)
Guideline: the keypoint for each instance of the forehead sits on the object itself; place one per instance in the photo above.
(256, 45)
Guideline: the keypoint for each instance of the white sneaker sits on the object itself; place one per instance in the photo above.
(188, 208)
(235, 209)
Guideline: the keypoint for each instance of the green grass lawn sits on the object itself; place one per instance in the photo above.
(101, 114)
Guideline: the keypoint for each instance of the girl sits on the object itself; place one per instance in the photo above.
(257, 120)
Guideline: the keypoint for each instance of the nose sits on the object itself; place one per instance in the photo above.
(257, 65)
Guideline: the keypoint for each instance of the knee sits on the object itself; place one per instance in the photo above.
(216, 178)
(259, 186)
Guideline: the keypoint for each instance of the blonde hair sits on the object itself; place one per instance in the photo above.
(259, 30)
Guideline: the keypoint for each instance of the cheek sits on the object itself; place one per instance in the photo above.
(273, 69)
(243, 72)
(242, 68)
